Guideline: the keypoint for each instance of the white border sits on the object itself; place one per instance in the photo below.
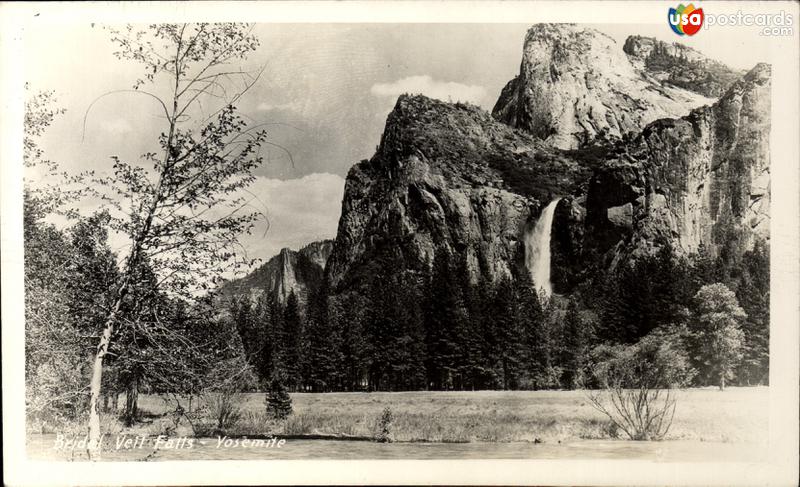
(782, 469)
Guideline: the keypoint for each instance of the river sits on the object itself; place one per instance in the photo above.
(41, 447)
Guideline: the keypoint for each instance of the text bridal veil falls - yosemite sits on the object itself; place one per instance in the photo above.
(537, 249)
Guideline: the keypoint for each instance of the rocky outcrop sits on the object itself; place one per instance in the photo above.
(699, 179)
(578, 87)
(300, 271)
(680, 66)
(447, 179)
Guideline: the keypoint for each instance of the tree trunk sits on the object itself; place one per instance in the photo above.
(132, 401)
(722, 382)
(93, 448)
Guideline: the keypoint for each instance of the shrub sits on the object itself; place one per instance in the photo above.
(224, 409)
(226, 385)
(638, 384)
(384, 433)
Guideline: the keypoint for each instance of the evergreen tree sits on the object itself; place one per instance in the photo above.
(290, 339)
(273, 329)
(407, 364)
(263, 337)
(324, 345)
(531, 324)
(576, 346)
(646, 293)
(476, 364)
(445, 314)
(347, 317)
(753, 294)
(705, 268)
(547, 339)
(506, 319)
(279, 403)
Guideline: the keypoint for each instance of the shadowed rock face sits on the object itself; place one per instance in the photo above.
(577, 86)
(702, 178)
(446, 179)
(300, 271)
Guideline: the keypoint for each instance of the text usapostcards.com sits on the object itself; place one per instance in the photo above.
(162, 442)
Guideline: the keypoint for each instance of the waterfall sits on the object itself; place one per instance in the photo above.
(537, 249)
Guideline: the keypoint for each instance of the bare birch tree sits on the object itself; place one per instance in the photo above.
(180, 207)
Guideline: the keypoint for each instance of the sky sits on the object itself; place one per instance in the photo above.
(324, 95)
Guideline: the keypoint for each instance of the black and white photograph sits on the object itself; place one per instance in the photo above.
(240, 235)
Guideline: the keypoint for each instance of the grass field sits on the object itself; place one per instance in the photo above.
(737, 415)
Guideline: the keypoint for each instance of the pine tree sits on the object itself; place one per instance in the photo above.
(279, 403)
(508, 334)
(324, 345)
(347, 316)
(444, 315)
(408, 338)
(646, 293)
(263, 335)
(475, 360)
(753, 294)
(530, 319)
(577, 338)
(290, 337)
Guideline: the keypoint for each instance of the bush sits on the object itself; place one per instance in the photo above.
(384, 433)
(224, 409)
(226, 384)
(638, 384)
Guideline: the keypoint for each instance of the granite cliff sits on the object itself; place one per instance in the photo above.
(300, 271)
(447, 178)
(699, 179)
(577, 86)
(645, 143)
(632, 138)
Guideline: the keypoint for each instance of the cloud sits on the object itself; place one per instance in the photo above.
(298, 211)
(425, 85)
(271, 107)
(119, 126)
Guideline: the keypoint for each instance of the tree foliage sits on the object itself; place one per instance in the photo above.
(720, 339)
(637, 383)
(279, 403)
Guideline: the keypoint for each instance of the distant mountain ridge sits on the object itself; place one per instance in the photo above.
(299, 271)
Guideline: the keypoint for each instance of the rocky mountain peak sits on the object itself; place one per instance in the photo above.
(577, 86)
(299, 271)
(439, 185)
(680, 66)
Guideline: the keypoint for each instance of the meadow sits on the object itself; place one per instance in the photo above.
(736, 415)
